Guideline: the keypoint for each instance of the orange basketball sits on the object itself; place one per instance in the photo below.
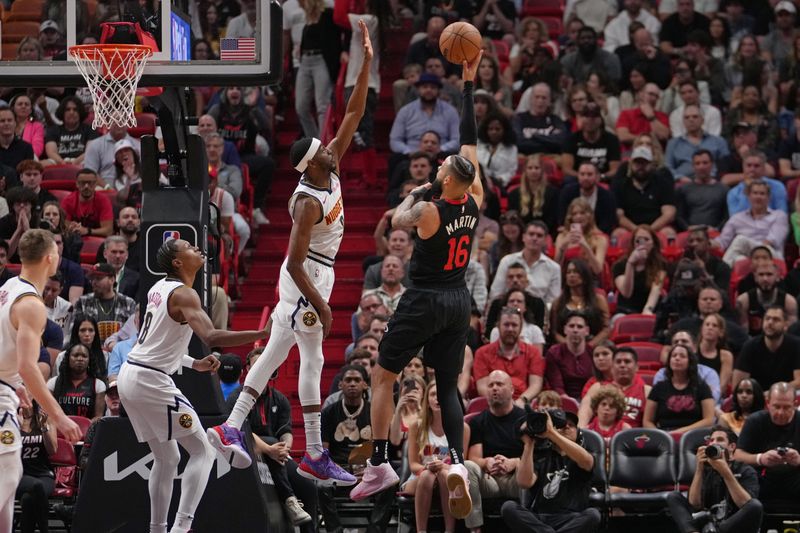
(459, 42)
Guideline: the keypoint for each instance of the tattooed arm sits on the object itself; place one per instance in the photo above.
(413, 213)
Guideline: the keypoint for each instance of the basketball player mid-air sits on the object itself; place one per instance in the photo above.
(302, 315)
(434, 312)
(160, 414)
(22, 320)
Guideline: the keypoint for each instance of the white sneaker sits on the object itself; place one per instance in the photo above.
(297, 514)
(459, 502)
(259, 217)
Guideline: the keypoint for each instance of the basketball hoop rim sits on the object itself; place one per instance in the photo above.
(90, 52)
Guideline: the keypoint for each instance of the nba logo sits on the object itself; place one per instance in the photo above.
(171, 235)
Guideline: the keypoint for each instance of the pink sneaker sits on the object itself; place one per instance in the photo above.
(458, 484)
(375, 479)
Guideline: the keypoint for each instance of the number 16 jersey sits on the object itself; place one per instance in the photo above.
(162, 341)
(440, 261)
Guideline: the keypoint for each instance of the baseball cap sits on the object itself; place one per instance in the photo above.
(642, 152)
(742, 126)
(230, 367)
(428, 78)
(591, 110)
(102, 269)
(785, 5)
(53, 25)
(112, 385)
(122, 144)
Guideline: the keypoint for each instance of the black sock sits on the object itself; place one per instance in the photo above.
(380, 452)
(456, 457)
(452, 415)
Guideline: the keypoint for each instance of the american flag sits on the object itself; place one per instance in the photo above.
(238, 49)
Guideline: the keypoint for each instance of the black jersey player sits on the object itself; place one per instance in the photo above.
(434, 313)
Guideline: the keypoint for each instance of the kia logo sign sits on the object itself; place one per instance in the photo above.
(112, 472)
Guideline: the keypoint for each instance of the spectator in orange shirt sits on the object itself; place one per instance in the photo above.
(89, 213)
(522, 361)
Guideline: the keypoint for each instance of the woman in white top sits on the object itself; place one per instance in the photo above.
(428, 459)
(497, 149)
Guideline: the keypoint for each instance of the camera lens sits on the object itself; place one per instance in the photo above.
(714, 451)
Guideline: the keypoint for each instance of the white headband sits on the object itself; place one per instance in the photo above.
(315, 144)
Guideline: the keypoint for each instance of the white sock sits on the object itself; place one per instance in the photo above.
(313, 424)
(244, 403)
(183, 523)
(158, 528)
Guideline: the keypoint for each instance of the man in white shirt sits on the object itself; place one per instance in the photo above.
(690, 94)
(59, 310)
(544, 274)
(243, 25)
(616, 33)
(100, 153)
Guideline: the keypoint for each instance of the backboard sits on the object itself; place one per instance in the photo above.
(245, 40)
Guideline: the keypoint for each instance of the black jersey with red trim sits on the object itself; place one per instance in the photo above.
(440, 261)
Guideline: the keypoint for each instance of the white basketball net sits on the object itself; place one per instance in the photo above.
(112, 73)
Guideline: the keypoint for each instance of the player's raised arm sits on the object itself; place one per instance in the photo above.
(29, 339)
(306, 213)
(357, 102)
(187, 302)
(412, 213)
(468, 130)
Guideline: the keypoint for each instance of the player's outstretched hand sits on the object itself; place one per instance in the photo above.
(471, 68)
(365, 40)
(208, 363)
(68, 428)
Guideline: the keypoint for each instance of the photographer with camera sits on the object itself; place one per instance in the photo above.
(768, 443)
(558, 471)
(722, 496)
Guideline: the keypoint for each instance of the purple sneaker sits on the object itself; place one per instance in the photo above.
(324, 471)
(375, 479)
(229, 441)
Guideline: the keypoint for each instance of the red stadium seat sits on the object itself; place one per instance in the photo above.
(60, 194)
(14, 268)
(477, 405)
(82, 422)
(501, 48)
(262, 323)
(539, 8)
(65, 466)
(649, 354)
(145, 125)
(60, 172)
(18, 30)
(632, 328)
(90, 247)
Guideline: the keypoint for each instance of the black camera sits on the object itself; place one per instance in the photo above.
(782, 450)
(715, 451)
(536, 421)
(43, 224)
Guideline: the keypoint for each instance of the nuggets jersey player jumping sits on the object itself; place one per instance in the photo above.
(302, 315)
(160, 414)
(434, 312)
(22, 320)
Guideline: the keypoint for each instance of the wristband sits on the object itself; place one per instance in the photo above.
(758, 459)
(88, 231)
(187, 361)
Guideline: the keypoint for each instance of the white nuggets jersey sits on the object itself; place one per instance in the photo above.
(10, 292)
(293, 310)
(327, 233)
(162, 341)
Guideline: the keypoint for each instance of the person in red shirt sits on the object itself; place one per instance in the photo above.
(643, 118)
(89, 213)
(625, 377)
(522, 361)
